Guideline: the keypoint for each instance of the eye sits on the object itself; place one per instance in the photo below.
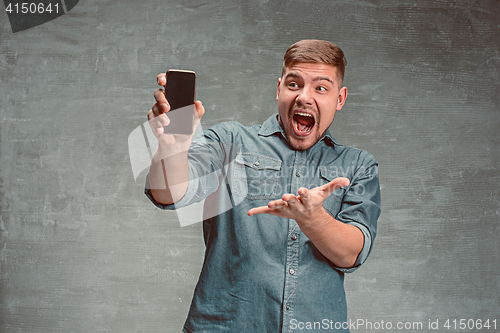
(293, 85)
(321, 88)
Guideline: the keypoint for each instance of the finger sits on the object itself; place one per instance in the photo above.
(161, 79)
(277, 204)
(290, 199)
(259, 210)
(304, 196)
(156, 113)
(161, 100)
(157, 122)
(155, 125)
(163, 120)
(155, 110)
(151, 115)
(335, 184)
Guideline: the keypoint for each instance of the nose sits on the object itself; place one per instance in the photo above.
(304, 97)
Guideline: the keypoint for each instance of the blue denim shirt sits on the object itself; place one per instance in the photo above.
(262, 273)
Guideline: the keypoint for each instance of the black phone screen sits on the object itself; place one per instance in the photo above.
(180, 88)
(180, 92)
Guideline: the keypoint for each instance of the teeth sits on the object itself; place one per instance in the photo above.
(303, 114)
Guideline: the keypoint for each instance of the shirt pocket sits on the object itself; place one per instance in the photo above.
(255, 176)
(333, 203)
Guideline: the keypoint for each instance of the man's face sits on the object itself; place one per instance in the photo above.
(308, 96)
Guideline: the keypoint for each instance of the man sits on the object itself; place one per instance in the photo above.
(304, 208)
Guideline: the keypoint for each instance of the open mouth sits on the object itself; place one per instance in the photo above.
(303, 123)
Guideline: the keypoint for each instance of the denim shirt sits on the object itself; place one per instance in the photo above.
(262, 273)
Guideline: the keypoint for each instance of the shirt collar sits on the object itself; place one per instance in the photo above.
(272, 126)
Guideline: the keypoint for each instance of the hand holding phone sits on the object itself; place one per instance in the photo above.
(176, 99)
(173, 119)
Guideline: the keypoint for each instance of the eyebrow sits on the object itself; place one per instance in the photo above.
(326, 78)
(293, 75)
(318, 78)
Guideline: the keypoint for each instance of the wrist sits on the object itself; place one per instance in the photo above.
(177, 150)
(317, 222)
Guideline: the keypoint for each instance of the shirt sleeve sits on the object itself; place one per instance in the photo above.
(206, 158)
(193, 193)
(361, 206)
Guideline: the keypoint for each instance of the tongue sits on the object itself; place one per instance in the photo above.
(302, 128)
(304, 120)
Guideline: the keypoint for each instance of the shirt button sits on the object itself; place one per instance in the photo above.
(297, 173)
(292, 271)
(294, 237)
(288, 307)
(256, 163)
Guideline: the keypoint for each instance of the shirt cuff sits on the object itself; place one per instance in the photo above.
(365, 251)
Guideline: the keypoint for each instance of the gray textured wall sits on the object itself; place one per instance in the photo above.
(82, 249)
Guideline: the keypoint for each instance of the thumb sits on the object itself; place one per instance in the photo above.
(200, 109)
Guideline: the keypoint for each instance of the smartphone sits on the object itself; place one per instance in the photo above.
(180, 91)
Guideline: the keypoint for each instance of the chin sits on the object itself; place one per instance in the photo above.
(302, 144)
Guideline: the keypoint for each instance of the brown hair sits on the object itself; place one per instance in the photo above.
(317, 52)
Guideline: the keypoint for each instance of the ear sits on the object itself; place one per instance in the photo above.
(278, 88)
(342, 98)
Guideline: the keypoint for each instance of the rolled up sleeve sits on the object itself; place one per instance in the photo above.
(361, 207)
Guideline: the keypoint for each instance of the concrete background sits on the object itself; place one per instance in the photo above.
(83, 250)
